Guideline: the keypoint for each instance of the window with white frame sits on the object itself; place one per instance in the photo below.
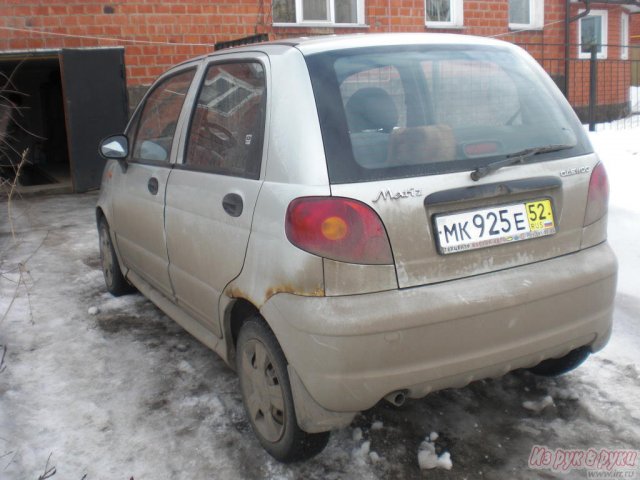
(444, 13)
(624, 37)
(526, 14)
(318, 12)
(592, 30)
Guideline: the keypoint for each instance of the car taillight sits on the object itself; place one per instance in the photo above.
(598, 196)
(339, 229)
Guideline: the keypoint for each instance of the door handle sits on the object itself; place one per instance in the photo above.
(152, 185)
(232, 204)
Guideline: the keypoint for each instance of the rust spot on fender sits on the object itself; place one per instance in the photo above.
(235, 292)
(286, 288)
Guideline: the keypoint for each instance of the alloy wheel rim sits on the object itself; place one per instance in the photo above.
(263, 392)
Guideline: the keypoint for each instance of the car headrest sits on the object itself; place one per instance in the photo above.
(371, 108)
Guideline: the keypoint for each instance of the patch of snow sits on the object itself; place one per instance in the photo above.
(634, 99)
(365, 448)
(540, 405)
(185, 367)
(377, 425)
(357, 434)
(361, 454)
(564, 394)
(375, 458)
(429, 459)
(444, 461)
(93, 311)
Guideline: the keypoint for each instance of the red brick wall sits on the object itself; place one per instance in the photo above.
(209, 21)
(191, 22)
(206, 22)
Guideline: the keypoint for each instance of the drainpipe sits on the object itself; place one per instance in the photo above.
(567, 38)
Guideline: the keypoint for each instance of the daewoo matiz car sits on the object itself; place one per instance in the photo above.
(349, 219)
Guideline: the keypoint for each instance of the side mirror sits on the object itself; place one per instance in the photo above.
(115, 147)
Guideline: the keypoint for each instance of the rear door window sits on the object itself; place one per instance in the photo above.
(227, 124)
(393, 112)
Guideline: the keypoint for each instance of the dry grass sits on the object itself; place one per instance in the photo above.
(11, 190)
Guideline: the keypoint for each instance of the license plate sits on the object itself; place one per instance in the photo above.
(487, 227)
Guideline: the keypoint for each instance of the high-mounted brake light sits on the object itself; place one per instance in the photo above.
(339, 229)
(598, 196)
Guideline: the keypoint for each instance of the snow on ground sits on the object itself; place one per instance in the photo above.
(112, 389)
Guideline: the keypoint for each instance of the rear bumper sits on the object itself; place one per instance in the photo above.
(351, 351)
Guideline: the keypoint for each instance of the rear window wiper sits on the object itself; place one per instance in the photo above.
(514, 158)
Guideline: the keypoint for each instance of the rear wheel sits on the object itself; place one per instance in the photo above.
(113, 278)
(267, 397)
(553, 367)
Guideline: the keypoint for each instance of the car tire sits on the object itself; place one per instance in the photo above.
(554, 367)
(116, 284)
(267, 397)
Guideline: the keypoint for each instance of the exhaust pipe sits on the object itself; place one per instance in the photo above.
(397, 398)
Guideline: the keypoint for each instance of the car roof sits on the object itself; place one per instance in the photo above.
(324, 43)
(311, 45)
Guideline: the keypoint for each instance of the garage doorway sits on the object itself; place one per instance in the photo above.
(62, 103)
(33, 92)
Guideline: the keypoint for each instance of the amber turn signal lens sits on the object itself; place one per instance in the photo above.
(334, 228)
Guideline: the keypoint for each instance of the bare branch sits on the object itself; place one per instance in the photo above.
(10, 461)
(48, 471)
(6, 454)
(24, 275)
(13, 187)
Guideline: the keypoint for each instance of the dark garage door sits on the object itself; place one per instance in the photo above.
(95, 102)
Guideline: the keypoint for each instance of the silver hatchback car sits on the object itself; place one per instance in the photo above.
(357, 218)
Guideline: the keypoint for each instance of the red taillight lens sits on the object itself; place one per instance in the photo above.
(338, 228)
(598, 196)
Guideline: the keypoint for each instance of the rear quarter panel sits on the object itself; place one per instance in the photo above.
(295, 167)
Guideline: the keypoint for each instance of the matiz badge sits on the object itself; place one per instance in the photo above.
(388, 195)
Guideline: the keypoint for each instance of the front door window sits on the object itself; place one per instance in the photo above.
(159, 119)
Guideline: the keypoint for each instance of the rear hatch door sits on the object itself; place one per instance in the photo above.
(405, 126)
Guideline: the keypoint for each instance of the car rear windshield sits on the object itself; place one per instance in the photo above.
(394, 112)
